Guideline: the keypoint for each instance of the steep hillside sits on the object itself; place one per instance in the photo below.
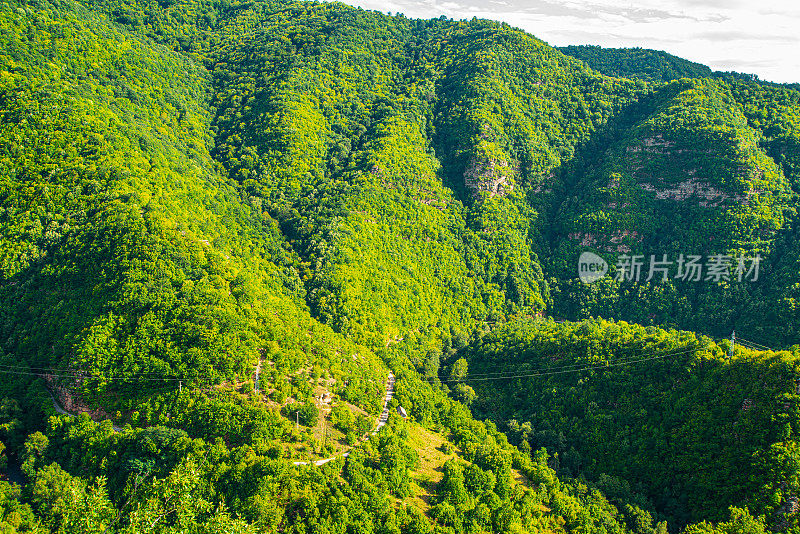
(324, 126)
(664, 413)
(688, 177)
(695, 170)
(129, 261)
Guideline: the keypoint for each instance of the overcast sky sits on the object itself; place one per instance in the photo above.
(754, 36)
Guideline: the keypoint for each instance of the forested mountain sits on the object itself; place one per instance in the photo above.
(697, 428)
(223, 225)
(653, 66)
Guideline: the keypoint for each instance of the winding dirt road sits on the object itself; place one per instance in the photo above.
(382, 418)
(62, 411)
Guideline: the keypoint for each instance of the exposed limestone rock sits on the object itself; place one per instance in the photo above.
(488, 175)
(545, 181)
(791, 506)
(615, 241)
(586, 240)
(72, 403)
(693, 187)
(489, 169)
(652, 145)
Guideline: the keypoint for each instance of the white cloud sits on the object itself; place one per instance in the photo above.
(755, 37)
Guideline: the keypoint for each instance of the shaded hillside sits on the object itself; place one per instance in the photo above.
(653, 66)
(656, 66)
(694, 171)
(664, 413)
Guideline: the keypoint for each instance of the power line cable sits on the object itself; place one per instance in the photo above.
(588, 368)
(580, 364)
(54, 370)
(757, 345)
(606, 365)
(30, 372)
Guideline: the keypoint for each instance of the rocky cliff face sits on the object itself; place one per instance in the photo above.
(683, 175)
(71, 402)
(489, 176)
(489, 169)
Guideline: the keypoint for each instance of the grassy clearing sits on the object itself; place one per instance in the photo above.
(429, 446)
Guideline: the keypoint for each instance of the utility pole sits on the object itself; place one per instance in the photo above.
(297, 420)
(180, 387)
(258, 368)
(733, 344)
(323, 433)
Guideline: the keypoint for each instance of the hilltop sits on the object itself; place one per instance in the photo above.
(653, 66)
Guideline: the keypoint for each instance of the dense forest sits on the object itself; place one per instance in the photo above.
(229, 230)
(701, 426)
(653, 66)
